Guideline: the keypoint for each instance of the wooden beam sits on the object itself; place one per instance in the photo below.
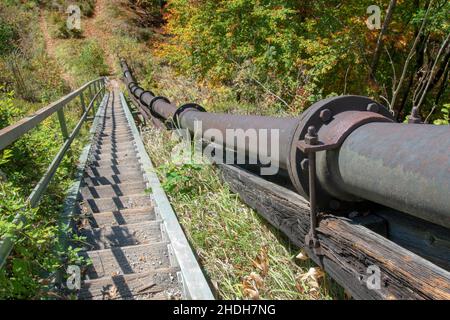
(349, 248)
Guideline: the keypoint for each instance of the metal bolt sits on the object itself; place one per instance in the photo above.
(414, 117)
(311, 137)
(373, 107)
(325, 115)
(304, 164)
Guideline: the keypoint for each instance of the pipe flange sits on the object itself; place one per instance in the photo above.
(184, 107)
(133, 87)
(322, 114)
(152, 102)
(142, 94)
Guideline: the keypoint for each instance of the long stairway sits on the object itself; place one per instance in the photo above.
(125, 237)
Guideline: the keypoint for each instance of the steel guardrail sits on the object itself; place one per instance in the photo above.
(13, 132)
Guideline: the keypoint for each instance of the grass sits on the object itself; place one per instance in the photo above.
(243, 256)
(29, 271)
(82, 59)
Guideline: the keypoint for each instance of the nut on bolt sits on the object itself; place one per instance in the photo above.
(325, 115)
(415, 117)
(373, 107)
(311, 137)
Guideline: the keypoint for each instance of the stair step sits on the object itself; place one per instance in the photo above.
(112, 130)
(119, 236)
(127, 260)
(114, 144)
(121, 139)
(112, 170)
(114, 152)
(122, 147)
(115, 162)
(113, 179)
(114, 190)
(122, 217)
(117, 155)
(89, 206)
(159, 284)
(113, 134)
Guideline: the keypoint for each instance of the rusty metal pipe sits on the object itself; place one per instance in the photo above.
(284, 127)
(402, 166)
(361, 155)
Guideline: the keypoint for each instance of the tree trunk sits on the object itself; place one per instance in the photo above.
(379, 47)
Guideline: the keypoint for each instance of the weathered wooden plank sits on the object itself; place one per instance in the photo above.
(349, 248)
(422, 237)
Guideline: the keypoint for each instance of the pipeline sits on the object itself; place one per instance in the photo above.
(358, 151)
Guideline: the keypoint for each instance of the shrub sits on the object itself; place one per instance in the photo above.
(444, 119)
(8, 35)
(36, 256)
(61, 31)
(90, 62)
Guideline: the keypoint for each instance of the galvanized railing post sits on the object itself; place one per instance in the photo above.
(14, 132)
(62, 123)
(83, 104)
(90, 93)
(94, 99)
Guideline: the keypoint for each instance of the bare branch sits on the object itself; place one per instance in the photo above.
(410, 55)
(444, 45)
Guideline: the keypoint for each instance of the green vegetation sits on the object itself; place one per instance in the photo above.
(255, 56)
(286, 54)
(243, 256)
(445, 116)
(29, 80)
(83, 59)
(8, 34)
(34, 260)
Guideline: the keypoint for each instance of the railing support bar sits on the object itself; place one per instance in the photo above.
(83, 104)
(62, 123)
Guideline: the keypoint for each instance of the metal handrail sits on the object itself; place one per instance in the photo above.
(13, 132)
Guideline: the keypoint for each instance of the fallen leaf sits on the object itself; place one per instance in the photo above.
(257, 278)
(252, 294)
(312, 278)
(300, 288)
(251, 284)
(110, 292)
(302, 256)
(262, 261)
